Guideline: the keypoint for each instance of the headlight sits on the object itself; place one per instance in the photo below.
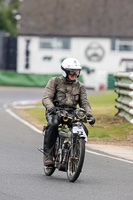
(81, 113)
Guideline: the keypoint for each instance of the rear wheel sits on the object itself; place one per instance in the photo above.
(49, 170)
(75, 162)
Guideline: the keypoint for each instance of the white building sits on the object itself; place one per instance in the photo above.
(98, 33)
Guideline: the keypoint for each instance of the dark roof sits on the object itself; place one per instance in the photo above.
(96, 18)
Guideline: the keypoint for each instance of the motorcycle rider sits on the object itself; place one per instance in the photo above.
(68, 92)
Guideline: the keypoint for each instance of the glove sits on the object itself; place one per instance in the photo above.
(91, 119)
(53, 110)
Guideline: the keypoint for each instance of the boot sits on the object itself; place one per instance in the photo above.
(48, 160)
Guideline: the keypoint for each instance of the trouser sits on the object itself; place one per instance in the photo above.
(51, 133)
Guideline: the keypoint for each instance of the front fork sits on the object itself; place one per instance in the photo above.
(60, 150)
(71, 148)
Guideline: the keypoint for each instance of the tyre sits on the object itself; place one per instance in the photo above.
(49, 170)
(75, 163)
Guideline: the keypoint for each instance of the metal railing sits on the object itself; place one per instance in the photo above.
(124, 89)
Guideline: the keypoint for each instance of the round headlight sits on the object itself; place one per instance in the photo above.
(81, 113)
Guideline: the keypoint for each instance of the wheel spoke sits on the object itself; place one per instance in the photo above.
(75, 163)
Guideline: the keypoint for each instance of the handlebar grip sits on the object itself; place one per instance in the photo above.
(89, 120)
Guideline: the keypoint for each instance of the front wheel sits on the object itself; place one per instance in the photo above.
(75, 162)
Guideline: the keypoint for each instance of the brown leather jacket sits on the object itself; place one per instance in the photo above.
(67, 93)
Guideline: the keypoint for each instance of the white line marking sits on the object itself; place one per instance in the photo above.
(23, 121)
(40, 132)
(107, 156)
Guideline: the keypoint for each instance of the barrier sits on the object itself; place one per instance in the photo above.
(124, 89)
(111, 82)
(11, 78)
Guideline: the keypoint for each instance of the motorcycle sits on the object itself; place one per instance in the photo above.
(69, 151)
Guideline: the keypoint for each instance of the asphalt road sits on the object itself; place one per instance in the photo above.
(21, 168)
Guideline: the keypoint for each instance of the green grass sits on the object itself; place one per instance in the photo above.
(107, 124)
(103, 104)
(37, 113)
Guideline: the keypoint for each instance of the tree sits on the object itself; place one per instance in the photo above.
(9, 15)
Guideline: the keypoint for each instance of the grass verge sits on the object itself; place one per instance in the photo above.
(108, 127)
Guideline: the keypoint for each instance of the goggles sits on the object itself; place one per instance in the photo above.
(74, 73)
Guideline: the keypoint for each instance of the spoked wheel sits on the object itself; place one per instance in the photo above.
(75, 163)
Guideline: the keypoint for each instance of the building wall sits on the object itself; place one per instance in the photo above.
(95, 53)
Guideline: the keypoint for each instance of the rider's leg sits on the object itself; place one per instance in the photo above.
(50, 135)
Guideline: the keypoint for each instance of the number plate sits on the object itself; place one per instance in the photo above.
(77, 129)
(80, 131)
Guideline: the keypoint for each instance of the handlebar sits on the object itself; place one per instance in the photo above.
(89, 120)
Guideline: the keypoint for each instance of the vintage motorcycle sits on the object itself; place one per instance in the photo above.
(69, 149)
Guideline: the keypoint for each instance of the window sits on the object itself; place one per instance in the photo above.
(121, 45)
(54, 43)
(113, 44)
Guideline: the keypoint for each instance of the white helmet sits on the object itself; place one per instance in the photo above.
(70, 64)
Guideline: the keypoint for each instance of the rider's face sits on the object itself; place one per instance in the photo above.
(72, 75)
(72, 78)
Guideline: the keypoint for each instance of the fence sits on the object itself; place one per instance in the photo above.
(11, 78)
(124, 89)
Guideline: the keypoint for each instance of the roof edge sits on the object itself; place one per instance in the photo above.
(84, 36)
